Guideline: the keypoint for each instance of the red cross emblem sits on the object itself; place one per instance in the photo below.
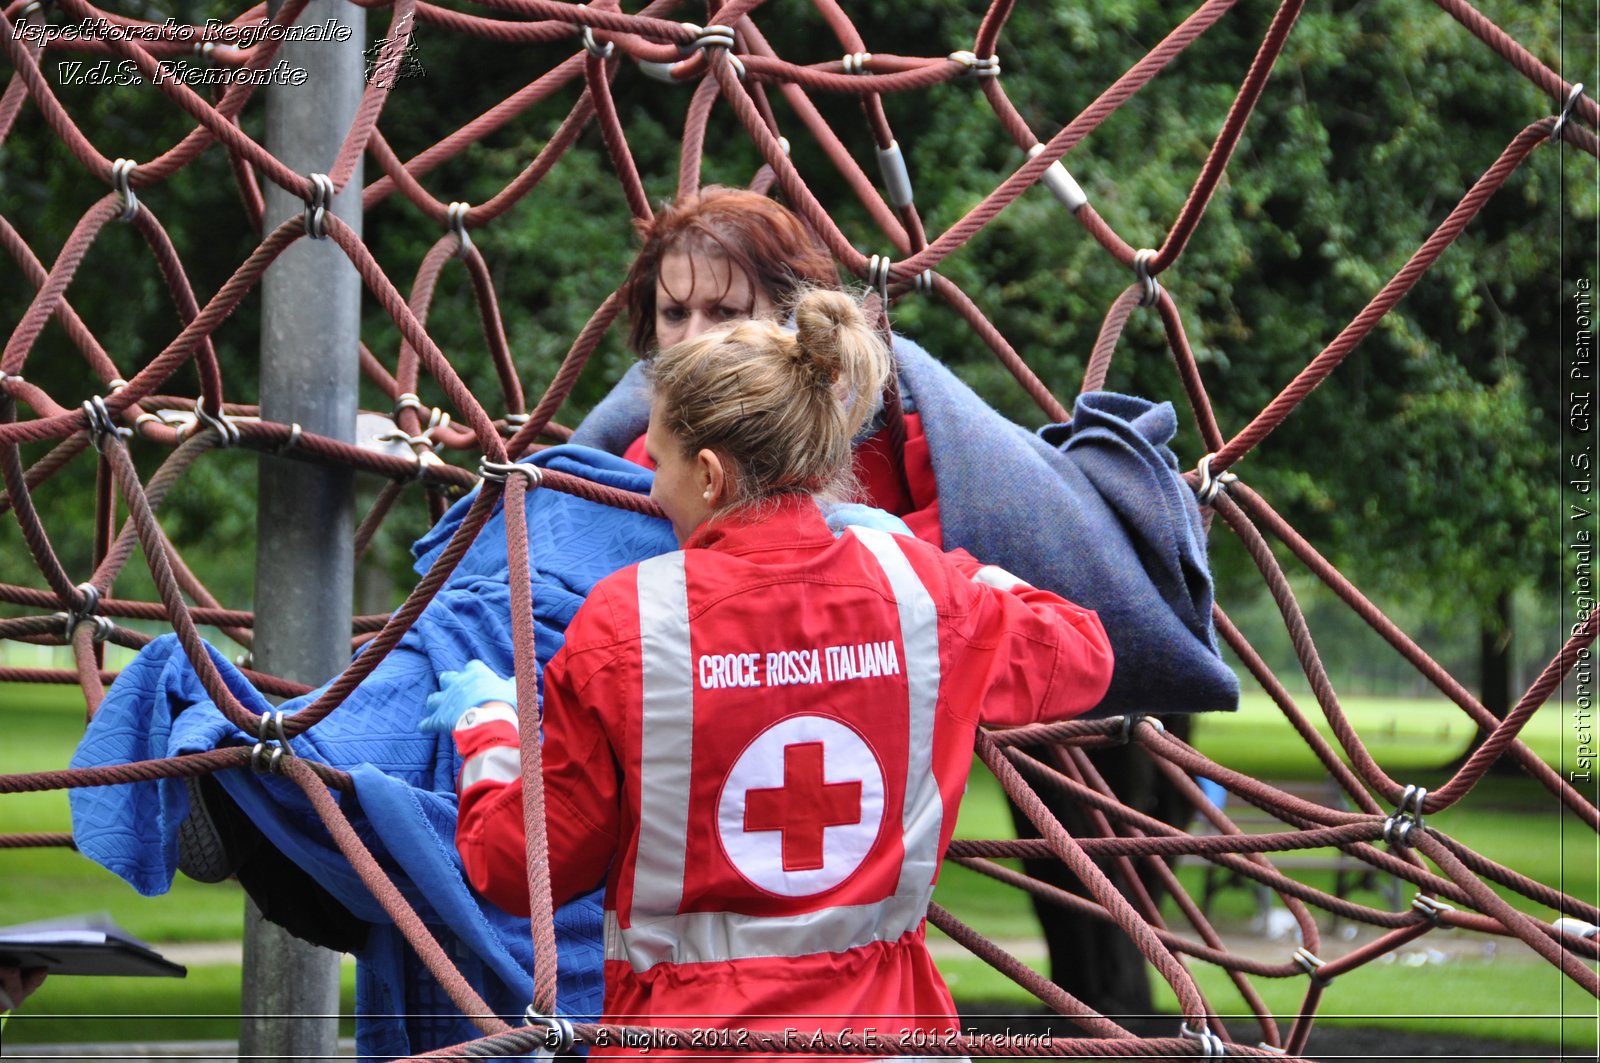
(803, 807)
(785, 828)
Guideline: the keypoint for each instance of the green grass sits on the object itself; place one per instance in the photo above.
(42, 725)
(202, 1007)
(1403, 735)
(1509, 819)
(1501, 1000)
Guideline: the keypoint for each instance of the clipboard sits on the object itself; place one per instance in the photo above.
(92, 945)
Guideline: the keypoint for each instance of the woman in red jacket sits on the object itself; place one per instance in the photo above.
(760, 742)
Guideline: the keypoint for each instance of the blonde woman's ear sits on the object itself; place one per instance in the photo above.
(713, 478)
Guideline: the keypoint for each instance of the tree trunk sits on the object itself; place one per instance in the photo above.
(1495, 676)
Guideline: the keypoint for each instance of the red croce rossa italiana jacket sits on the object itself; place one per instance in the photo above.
(760, 743)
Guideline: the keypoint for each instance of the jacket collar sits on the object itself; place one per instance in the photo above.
(784, 523)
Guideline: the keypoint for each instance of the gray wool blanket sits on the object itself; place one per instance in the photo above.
(1093, 509)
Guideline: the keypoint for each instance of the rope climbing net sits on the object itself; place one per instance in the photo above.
(1380, 821)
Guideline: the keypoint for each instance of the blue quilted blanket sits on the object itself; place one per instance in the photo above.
(404, 804)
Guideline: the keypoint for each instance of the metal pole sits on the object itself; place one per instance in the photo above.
(310, 328)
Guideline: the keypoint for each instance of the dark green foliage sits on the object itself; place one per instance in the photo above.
(1422, 466)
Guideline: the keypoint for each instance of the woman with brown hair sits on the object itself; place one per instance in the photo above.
(729, 254)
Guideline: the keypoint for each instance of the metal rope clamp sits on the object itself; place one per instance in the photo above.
(1211, 486)
(558, 1033)
(1398, 827)
(1134, 719)
(295, 432)
(1432, 908)
(514, 423)
(857, 63)
(878, 277)
(265, 760)
(1311, 963)
(86, 614)
(1566, 112)
(227, 431)
(499, 470)
(318, 205)
(100, 423)
(976, 67)
(714, 37)
(122, 180)
(594, 47)
(458, 224)
(1149, 287)
(1210, 1044)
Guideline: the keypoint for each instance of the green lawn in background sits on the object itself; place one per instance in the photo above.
(42, 725)
(204, 1006)
(1511, 819)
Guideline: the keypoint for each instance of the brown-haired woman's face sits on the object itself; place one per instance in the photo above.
(697, 291)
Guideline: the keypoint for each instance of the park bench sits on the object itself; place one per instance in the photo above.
(1350, 875)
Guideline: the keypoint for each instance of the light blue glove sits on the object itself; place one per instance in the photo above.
(463, 690)
(847, 514)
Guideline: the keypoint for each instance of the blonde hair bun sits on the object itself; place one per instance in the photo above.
(781, 408)
(823, 320)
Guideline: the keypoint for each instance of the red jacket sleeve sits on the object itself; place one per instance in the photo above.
(1048, 659)
(581, 793)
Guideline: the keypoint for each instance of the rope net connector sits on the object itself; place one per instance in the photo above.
(1149, 287)
(122, 181)
(1134, 719)
(85, 613)
(1210, 486)
(978, 68)
(1277, 1050)
(558, 1032)
(1210, 1044)
(458, 225)
(100, 423)
(499, 470)
(594, 47)
(1577, 927)
(202, 52)
(226, 430)
(513, 424)
(318, 205)
(924, 282)
(707, 37)
(896, 178)
(1398, 827)
(1310, 962)
(295, 432)
(1061, 184)
(1432, 908)
(878, 276)
(857, 63)
(1566, 111)
(265, 759)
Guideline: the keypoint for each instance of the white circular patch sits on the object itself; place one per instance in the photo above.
(801, 807)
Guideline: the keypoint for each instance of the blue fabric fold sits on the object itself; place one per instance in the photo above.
(1093, 509)
(404, 805)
